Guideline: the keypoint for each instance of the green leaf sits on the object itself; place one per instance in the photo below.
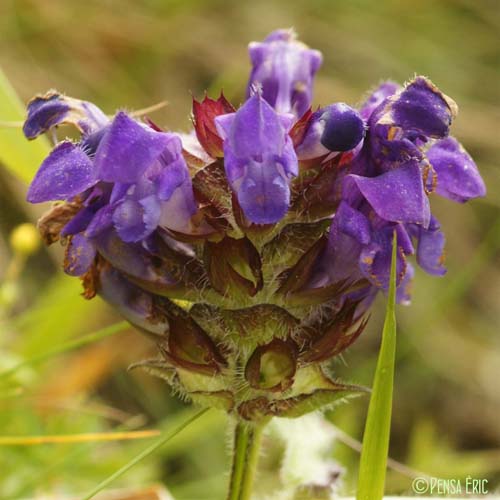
(151, 449)
(373, 463)
(20, 156)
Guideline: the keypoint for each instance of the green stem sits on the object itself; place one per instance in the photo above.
(245, 457)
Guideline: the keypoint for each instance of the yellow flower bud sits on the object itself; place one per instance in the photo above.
(24, 239)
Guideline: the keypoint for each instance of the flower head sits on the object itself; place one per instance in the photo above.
(252, 248)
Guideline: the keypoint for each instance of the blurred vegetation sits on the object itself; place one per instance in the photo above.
(126, 53)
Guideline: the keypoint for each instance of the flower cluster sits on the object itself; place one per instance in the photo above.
(251, 248)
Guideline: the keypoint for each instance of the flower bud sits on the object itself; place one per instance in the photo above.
(24, 239)
(335, 128)
(284, 69)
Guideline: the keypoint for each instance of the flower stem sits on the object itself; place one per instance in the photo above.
(245, 457)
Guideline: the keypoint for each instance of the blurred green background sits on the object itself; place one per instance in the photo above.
(132, 54)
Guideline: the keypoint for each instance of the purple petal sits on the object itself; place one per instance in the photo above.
(264, 194)
(375, 259)
(457, 175)
(79, 222)
(134, 220)
(173, 170)
(80, 254)
(254, 130)
(102, 220)
(128, 149)
(284, 68)
(430, 249)
(397, 195)
(52, 109)
(132, 259)
(403, 291)
(177, 211)
(353, 223)
(339, 261)
(422, 108)
(259, 159)
(404, 238)
(131, 301)
(66, 172)
(377, 97)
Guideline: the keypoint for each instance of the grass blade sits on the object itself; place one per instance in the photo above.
(89, 437)
(20, 156)
(68, 346)
(373, 462)
(151, 449)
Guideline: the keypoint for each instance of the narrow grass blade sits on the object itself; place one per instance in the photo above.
(373, 463)
(20, 156)
(76, 438)
(151, 449)
(68, 346)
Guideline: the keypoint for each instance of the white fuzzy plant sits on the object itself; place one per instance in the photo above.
(307, 471)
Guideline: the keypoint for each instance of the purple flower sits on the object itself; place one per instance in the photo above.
(52, 109)
(259, 159)
(284, 68)
(275, 222)
(388, 180)
(126, 175)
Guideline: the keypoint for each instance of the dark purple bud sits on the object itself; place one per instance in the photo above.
(343, 127)
(284, 68)
(337, 127)
(66, 172)
(457, 175)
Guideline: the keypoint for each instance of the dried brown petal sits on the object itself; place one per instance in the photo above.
(52, 222)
